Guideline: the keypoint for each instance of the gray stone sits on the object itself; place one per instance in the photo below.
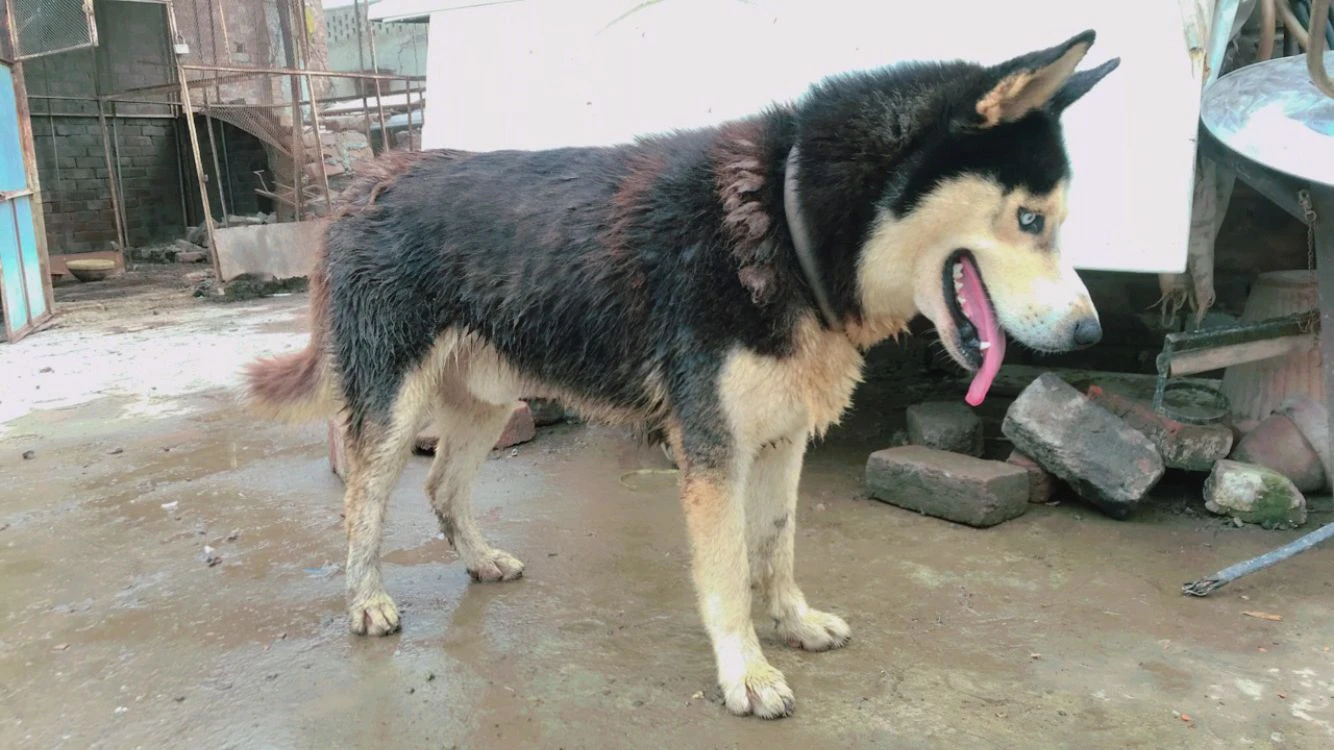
(1108, 462)
(946, 426)
(197, 236)
(546, 411)
(1254, 494)
(948, 485)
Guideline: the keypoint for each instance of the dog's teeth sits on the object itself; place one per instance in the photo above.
(958, 285)
(958, 272)
(985, 345)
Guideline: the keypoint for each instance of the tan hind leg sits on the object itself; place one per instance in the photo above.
(468, 430)
(375, 462)
(771, 521)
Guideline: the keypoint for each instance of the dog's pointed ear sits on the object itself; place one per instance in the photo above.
(1023, 84)
(1079, 84)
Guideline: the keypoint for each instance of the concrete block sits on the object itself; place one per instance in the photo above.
(1040, 481)
(280, 251)
(337, 450)
(1108, 462)
(946, 426)
(546, 411)
(948, 485)
(1192, 447)
(519, 429)
(1254, 494)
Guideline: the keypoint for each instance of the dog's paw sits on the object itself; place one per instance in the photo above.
(762, 692)
(374, 615)
(496, 565)
(815, 631)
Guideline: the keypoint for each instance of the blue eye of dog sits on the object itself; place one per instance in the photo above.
(1031, 221)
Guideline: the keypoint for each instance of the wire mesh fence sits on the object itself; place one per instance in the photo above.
(49, 26)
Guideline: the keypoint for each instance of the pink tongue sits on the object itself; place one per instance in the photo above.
(988, 332)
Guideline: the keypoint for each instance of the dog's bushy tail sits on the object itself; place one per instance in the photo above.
(298, 387)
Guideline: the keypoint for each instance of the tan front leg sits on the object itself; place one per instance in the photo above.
(715, 519)
(771, 521)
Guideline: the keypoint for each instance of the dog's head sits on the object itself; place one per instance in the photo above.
(966, 224)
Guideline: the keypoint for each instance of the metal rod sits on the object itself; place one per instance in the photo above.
(298, 142)
(112, 165)
(180, 175)
(1209, 584)
(188, 106)
(361, 65)
(55, 150)
(319, 151)
(226, 38)
(45, 53)
(91, 115)
(379, 95)
(1318, 204)
(112, 172)
(217, 88)
(237, 73)
(120, 174)
(292, 71)
(227, 171)
(408, 96)
(217, 165)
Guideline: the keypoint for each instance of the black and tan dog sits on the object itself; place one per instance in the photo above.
(716, 288)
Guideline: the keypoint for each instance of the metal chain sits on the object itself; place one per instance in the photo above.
(1308, 211)
(1304, 200)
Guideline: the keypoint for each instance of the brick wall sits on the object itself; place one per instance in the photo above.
(76, 195)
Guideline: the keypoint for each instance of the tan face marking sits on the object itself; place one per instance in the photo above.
(1037, 295)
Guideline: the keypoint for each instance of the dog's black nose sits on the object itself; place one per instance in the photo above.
(1088, 332)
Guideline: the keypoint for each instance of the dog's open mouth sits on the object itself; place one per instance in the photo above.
(980, 338)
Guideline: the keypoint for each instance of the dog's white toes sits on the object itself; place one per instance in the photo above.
(374, 615)
(763, 692)
(497, 565)
(815, 631)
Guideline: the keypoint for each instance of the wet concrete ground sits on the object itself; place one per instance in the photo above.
(1059, 629)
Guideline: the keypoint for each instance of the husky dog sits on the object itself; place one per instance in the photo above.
(715, 288)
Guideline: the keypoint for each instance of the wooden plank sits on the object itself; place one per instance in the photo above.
(1219, 357)
(1013, 379)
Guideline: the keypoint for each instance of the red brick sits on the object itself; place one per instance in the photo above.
(520, 428)
(1183, 446)
(1040, 481)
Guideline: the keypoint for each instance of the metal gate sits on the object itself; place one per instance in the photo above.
(32, 28)
(24, 280)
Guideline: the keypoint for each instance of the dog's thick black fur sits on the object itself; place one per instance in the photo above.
(659, 284)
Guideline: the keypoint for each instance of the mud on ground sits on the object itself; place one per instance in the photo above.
(1059, 629)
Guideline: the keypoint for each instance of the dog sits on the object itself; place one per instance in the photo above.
(715, 289)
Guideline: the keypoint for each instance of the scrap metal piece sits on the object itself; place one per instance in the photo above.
(1209, 584)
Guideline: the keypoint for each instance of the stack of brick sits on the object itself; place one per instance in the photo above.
(1109, 449)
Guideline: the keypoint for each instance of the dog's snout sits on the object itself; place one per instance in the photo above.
(1088, 331)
